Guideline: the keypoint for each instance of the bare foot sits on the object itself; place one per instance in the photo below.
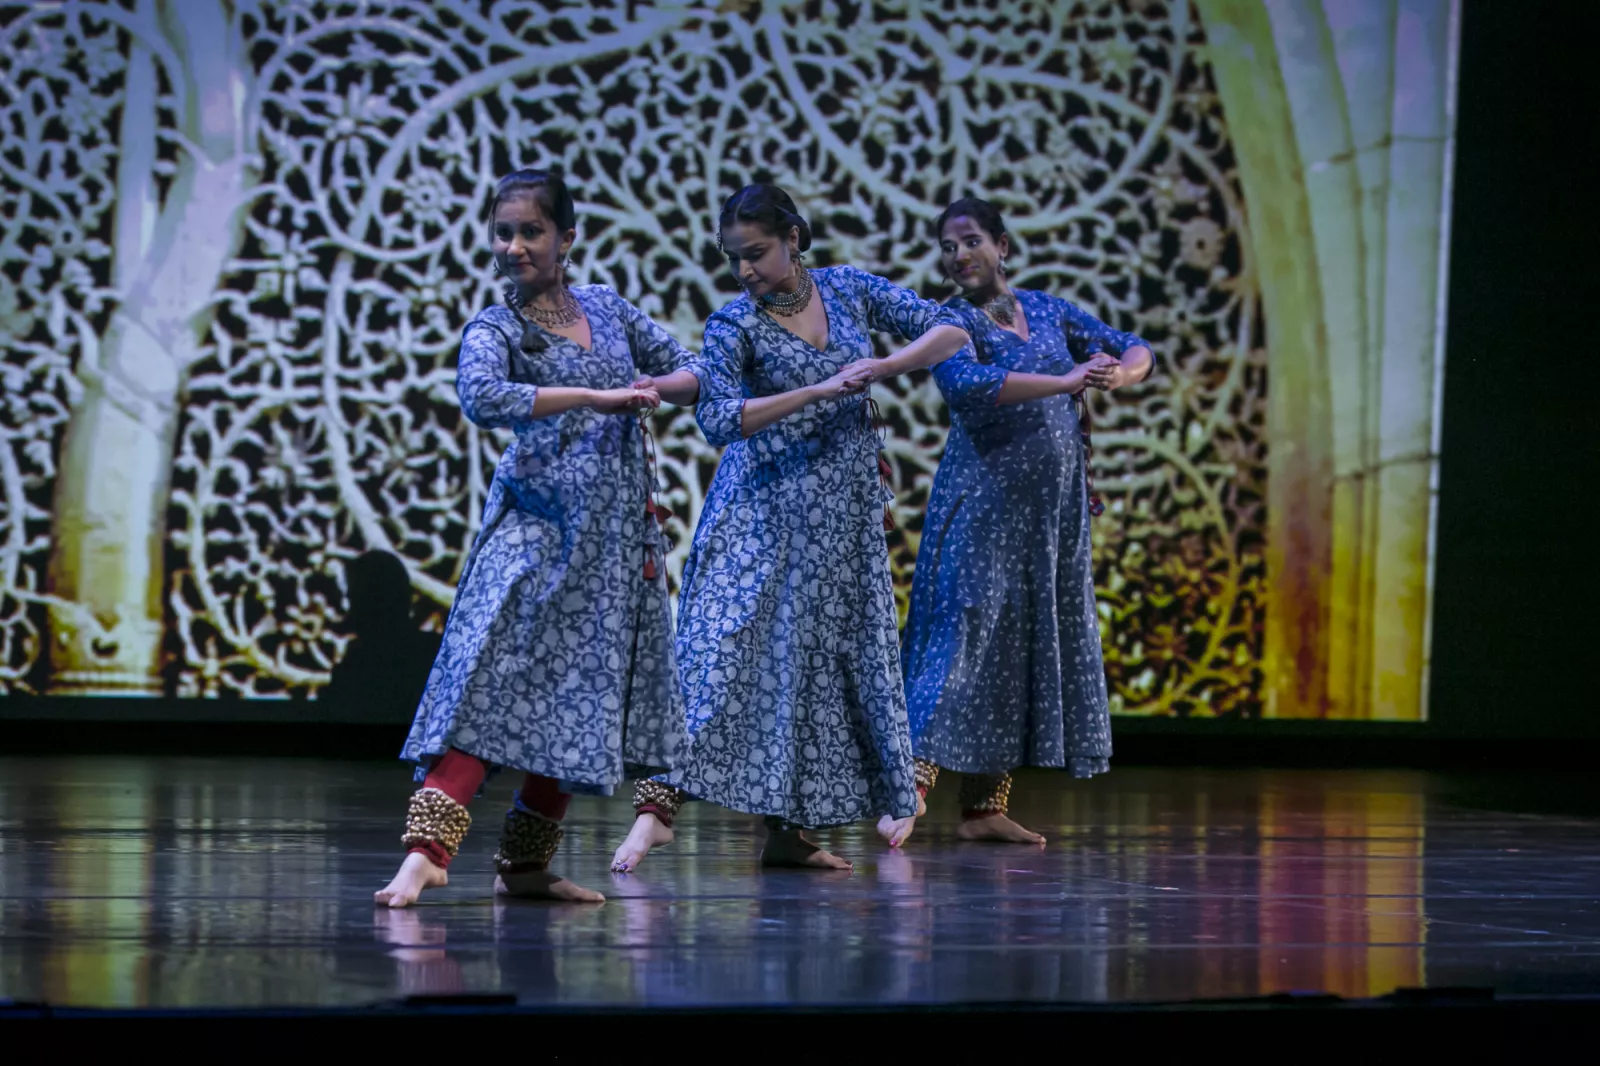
(788, 848)
(997, 827)
(416, 874)
(896, 830)
(647, 833)
(542, 884)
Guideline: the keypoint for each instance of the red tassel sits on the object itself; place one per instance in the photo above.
(650, 567)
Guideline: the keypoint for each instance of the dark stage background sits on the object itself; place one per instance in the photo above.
(1514, 627)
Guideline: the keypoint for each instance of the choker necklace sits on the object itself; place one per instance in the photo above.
(551, 317)
(785, 304)
(1003, 308)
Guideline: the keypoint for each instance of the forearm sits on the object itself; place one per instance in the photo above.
(680, 387)
(763, 411)
(930, 349)
(1136, 362)
(1020, 388)
(554, 401)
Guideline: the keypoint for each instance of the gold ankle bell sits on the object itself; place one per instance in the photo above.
(527, 842)
(649, 793)
(985, 793)
(435, 818)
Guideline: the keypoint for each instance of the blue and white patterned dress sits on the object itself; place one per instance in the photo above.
(557, 657)
(1002, 647)
(787, 638)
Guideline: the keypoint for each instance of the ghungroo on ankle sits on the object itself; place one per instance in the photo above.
(527, 842)
(662, 801)
(435, 818)
(985, 794)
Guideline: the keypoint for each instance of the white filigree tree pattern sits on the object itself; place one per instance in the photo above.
(317, 417)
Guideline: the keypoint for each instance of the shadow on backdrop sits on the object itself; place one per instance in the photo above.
(385, 668)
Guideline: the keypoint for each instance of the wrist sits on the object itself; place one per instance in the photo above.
(588, 397)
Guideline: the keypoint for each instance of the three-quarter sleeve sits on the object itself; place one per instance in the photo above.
(724, 357)
(891, 309)
(968, 384)
(1087, 335)
(655, 351)
(488, 395)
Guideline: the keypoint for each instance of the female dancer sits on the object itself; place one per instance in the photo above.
(786, 625)
(1002, 648)
(557, 657)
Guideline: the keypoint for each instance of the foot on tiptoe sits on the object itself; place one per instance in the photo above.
(896, 830)
(997, 827)
(789, 848)
(416, 874)
(542, 884)
(647, 833)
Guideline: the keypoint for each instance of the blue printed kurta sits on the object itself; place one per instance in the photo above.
(1002, 648)
(787, 639)
(557, 657)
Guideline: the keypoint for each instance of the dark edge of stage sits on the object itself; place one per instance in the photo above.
(1468, 1020)
(281, 728)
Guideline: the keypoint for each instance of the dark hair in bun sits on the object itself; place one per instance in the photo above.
(768, 207)
(982, 212)
(548, 187)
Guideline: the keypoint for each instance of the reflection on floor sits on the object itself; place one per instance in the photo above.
(133, 882)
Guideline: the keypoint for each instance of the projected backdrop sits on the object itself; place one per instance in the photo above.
(239, 240)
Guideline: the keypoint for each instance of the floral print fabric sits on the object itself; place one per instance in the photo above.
(787, 640)
(1002, 655)
(557, 657)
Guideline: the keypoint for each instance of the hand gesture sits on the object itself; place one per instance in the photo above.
(851, 381)
(623, 401)
(872, 369)
(1074, 381)
(1104, 371)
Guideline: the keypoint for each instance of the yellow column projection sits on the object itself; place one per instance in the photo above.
(1343, 118)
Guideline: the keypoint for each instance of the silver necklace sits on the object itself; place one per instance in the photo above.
(785, 304)
(561, 317)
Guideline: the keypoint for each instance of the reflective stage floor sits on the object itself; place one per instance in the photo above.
(134, 882)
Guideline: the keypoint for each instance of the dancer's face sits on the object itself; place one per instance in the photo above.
(762, 262)
(970, 256)
(527, 246)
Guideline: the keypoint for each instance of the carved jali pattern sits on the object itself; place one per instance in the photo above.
(321, 421)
